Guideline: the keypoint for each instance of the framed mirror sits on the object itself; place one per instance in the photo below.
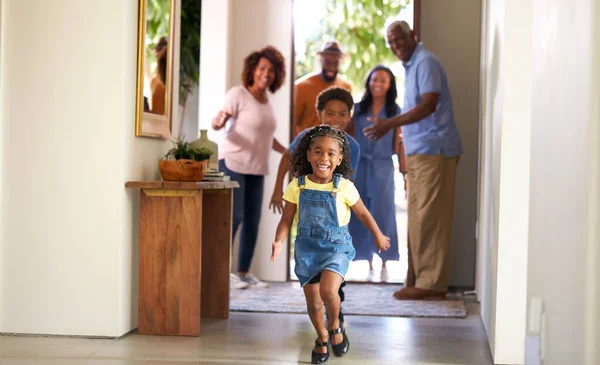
(154, 91)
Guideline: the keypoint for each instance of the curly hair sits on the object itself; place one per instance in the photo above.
(274, 56)
(390, 97)
(334, 93)
(299, 164)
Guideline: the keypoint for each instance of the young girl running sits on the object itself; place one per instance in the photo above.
(319, 200)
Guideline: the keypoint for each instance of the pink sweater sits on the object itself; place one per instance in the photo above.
(248, 137)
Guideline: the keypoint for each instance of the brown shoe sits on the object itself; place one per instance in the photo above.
(413, 293)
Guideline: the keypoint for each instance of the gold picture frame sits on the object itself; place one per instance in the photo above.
(154, 123)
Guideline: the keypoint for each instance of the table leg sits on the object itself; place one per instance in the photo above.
(216, 252)
(170, 251)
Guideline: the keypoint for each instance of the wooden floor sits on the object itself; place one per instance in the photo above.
(268, 339)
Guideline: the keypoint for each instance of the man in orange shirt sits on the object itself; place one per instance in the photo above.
(309, 87)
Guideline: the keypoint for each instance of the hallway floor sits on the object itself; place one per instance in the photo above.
(268, 339)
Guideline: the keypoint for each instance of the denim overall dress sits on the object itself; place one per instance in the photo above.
(321, 244)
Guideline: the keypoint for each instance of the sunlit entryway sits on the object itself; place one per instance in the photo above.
(315, 22)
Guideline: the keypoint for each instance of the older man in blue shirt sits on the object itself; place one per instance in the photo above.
(433, 146)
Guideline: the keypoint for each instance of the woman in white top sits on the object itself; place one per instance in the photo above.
(249, 123)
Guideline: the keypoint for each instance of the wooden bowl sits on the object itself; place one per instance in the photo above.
(182, 170)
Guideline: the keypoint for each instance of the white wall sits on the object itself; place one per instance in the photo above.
(489, 171)
(563, 243)
(254, 24)
(592, 284)
(504, 196)
(513, 214)
(540, 180)
(68, 244)
(2, 278)
(190, 116)
(457, 46)
(215, 59)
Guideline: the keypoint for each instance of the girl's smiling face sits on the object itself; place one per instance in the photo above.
(324, 155)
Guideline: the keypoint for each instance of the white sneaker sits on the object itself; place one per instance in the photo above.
(384, 275)
(236, 283)
(252, 281)
(371, 276)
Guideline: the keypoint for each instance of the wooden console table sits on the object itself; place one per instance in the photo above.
(185, 249)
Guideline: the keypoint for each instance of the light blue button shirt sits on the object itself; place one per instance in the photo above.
(436, 133)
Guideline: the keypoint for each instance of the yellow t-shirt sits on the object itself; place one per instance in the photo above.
(346, 196)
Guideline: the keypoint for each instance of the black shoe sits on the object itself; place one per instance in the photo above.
(341, 292)
(317, 357)
(341, 348)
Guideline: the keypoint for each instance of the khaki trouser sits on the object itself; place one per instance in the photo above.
(431, 183)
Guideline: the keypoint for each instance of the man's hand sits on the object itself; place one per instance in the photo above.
(276, 250)
(379, 128)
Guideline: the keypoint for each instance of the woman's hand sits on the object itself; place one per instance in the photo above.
(276, 249)
(276, 202)
(278, 147)
(382, 242)
(219, 121)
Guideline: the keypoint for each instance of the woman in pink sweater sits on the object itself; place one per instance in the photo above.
(249, 122)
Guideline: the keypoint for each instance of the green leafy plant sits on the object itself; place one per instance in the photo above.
(189, 43)
(358, 25)
(181, 150)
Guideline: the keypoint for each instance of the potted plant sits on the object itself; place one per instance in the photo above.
(183, 163)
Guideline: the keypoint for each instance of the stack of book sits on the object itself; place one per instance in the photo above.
(216, 176)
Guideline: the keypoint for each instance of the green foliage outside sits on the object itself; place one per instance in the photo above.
(359, 27)
(157, 26)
